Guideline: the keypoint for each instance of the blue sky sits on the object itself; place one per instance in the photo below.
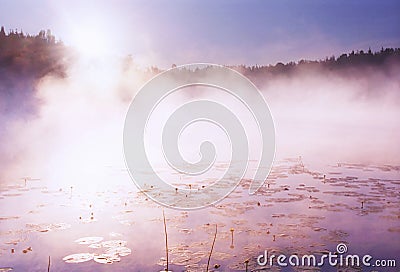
(227, 32)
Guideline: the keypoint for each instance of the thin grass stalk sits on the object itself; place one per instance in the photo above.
(166, 238)
(48, 265)
(212, 247)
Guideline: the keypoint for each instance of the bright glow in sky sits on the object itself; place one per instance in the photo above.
(89, 39)
(227, 32)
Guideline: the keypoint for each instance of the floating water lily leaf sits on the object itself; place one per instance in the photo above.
(221, 256)
(184, 230)
(96, 245)
(127, 222)
(114, 243)
(120, 251)
(115, 234)
(88, 240)
(394, 229)
(48, 227)
(60, 226)
(162, 261)
(8, 218)
(181, 260)
(78, 258)
(11, 194)
(106, 258)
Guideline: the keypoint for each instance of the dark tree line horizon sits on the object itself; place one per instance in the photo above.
(38, 55)
(354, 58)
(31, 55)
(25, 59)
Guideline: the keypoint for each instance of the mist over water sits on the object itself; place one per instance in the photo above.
(75, 130)
(70, 137)
(328, 117)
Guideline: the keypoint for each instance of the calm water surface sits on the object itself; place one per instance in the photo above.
(297, 211)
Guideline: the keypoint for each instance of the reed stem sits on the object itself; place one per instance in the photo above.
(212, 247)
(48, 266)
(166, 238)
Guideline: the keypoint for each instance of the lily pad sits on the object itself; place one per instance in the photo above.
(88, 240)
(78, 258)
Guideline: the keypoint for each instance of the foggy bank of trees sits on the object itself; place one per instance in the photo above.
(347, 64)
(31, 56)
(24, 59)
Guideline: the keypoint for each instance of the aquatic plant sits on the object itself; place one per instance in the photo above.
(166, 239)
(212, 247)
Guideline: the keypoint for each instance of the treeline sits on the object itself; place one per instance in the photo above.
(353, 60)
(40, 54)
(25, 59)
(31, 56)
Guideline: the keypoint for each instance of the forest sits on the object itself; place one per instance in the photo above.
(37, 55)
(31, 56)
(25, 59)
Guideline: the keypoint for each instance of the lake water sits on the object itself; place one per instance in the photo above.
(301, 209)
